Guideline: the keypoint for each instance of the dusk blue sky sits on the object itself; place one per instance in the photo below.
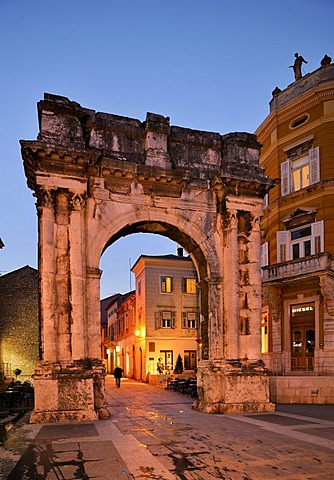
(208, 65)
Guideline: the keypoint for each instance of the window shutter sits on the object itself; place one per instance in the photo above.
(283, 244)
(184, 320)
(173, 319)
(157, 320)
(184, 285)
(285, 177)
(314, 165)
(266, 200)
(265, 254)
(317, 240)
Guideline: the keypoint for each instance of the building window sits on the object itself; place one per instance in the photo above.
(300, 170)
(264, 261)
(299, 121)
(166, 284)
(165, 319)
(300, 242)
(189, 320)
(190, 359)
(139, 288)
(166, 359)
(264, 332)
(189, 285)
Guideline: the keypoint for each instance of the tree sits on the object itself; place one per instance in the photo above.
(179, 365)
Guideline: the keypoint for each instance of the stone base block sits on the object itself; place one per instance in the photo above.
(233, 387)
(69, 392)
(63, 416)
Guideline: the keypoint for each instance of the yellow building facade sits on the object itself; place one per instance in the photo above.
(167, 315)
(298, 240)
(149, 328)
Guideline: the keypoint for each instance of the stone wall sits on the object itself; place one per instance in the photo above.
(19, 324)
(302, 389)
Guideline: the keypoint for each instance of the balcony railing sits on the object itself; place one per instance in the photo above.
(300, 267)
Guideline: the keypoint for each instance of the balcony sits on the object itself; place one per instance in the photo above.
(299, 268)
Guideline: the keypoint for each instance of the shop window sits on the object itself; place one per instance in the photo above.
(302, 321)
(166, 360)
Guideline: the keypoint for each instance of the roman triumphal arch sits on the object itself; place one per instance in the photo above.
(98, 177)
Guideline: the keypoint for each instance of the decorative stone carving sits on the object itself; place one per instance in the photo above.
(271, 298)
(327, 290)
(77, 201)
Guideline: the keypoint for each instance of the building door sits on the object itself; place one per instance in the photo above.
(302, 337)
(190, 362)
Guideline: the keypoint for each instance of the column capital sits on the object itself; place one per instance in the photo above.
(77, 201)
(45, 197)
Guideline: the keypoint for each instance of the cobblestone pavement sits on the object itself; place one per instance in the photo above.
(154, 434)
(296, 442)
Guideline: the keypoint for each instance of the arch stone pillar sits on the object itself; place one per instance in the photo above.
(98, 177)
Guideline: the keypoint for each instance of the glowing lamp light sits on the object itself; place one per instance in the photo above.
(108, 351)
(137, 333)
(199, 341)
(118, 348)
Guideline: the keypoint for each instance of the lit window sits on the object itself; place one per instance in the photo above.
(190, 285)
(300, 171)
(264, 332)
(166, 284)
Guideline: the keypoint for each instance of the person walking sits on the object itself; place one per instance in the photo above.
(118, 373)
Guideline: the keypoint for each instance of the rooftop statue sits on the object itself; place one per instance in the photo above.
(325, 61)
(297, 66)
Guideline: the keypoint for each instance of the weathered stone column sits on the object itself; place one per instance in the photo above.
(215, 313)
(231, 285)
(78, 277)
(253, 291)
(46, 253)
(93, 312)
(63, 307)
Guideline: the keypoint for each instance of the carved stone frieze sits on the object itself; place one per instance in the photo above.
(272, 299)
(327, 290)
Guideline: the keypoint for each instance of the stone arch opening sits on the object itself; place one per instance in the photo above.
(173, 233)
(98, 177)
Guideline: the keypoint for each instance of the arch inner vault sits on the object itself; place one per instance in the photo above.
(96, 176)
